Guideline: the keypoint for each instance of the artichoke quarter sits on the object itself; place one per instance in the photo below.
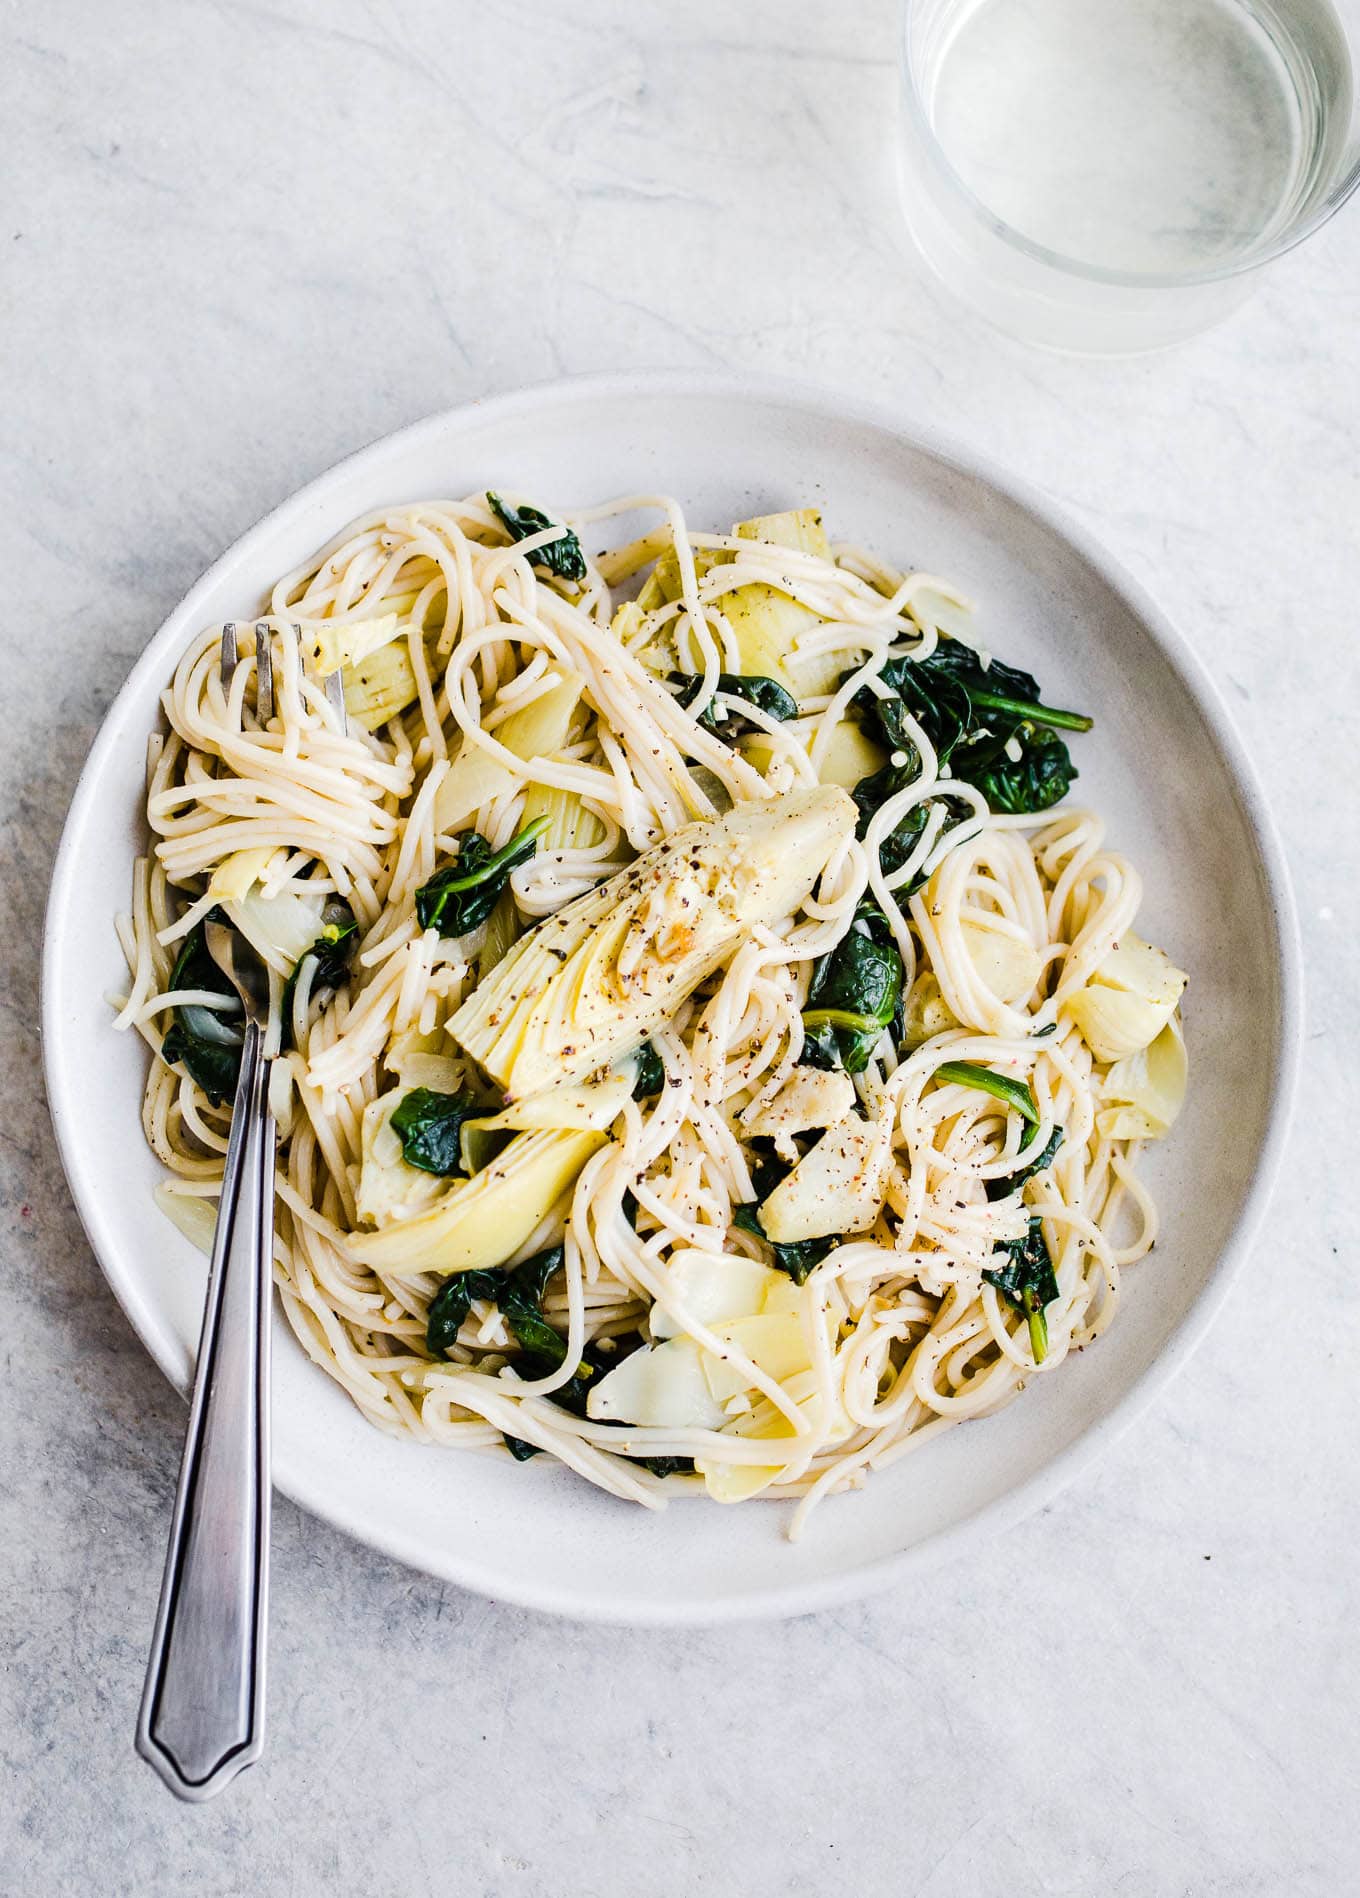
(594, 980)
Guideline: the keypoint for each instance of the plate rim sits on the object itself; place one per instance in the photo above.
(817, 402)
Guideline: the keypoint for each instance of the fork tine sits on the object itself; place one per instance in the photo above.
(229, 654)
(334, 688)
(333, 685)
(264, 673)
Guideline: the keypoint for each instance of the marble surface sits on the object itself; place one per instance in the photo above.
(241, 239)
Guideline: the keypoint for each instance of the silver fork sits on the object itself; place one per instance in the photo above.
(203, 1705)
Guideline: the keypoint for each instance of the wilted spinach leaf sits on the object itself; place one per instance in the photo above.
(651, 1073)
(853, 995)
(939, 704)
(875, 790)
(975, 716)
(1041, 776)
(430, 1124)
(1028, 1281)
(571, 1396)
(1016, 1094)
(330, 952)
(206, 1042)
(521, 1303)
(1003, 690)
(1002, 1189)
(562, 556)
(767, 695)
(667, 1465)
(464, 893)
(453, 1301)
(518, 1291)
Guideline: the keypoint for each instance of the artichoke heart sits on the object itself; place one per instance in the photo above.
(587, 1106)
(482, 1222)
(1145, 1091)
(1007, 965)
(379, 686)
(331, 645)
(237, 875)
(535, 731)
(811, 1097)
(713, 1287)
(734, 1482)
(1128, 1001)
(838, 1186)
(389, 1190)
(281, 929)
(606, 971)
(767, 622)
(850, 756)
(926, 1013)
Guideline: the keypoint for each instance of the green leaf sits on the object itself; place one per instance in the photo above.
(1002, 689)
(215, 1067)
(1002, 1189)
(464, 893)
(1016, 1094)
(517, 1292)
(747, 1216)
(651, 1073)
(562, 556)
(331, 952)
(521, 1303)
(975, 716)
(874, 791)
(853, 995)
(767, 695)
(572, 1395)
(1039, 778)
(429, 1124)
(205, 1043)
(451, 1304)
(1006, 714)
(1028, 1281)
(943, 718)
(939, 704)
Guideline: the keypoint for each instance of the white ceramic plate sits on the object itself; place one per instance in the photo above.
(1163, 764)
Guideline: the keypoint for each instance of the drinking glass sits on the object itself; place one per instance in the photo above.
(1113, 175)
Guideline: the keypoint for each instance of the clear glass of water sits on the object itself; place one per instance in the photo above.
(1111, 175)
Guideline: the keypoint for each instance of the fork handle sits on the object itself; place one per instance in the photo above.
(202, 1714)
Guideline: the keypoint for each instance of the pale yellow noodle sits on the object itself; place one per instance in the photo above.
(905, 1336)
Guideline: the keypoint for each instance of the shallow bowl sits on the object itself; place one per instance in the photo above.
(1163, 764)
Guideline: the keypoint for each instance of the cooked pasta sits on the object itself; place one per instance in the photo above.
(705, 1049)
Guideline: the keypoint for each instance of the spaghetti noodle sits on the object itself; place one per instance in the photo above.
(872, 1168)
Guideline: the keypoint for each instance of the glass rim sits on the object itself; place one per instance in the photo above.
(1293, 234)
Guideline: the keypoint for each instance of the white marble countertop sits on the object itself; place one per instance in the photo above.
(241, 239)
